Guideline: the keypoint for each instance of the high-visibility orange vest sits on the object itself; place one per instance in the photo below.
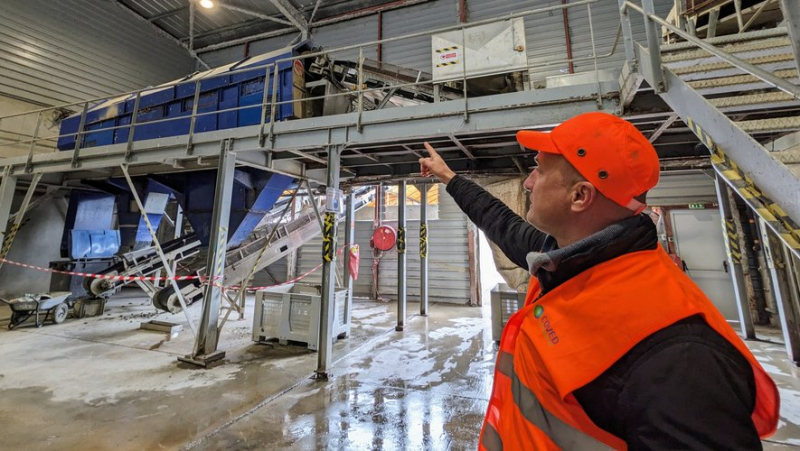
(571, 335)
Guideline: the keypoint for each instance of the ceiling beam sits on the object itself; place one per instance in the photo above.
(255, 14)
(293, 14)
(462, 147)
(166, 14)
(160, 31)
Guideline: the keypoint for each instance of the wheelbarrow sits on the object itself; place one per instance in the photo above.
(41, 306)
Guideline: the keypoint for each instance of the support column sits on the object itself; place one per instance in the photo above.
(7, 187)
(734, 252)
(376, 254)
(627, 35)
(205, 347)
(401, 256)
(423, 250)
(782, 285)
(327, 306)
(349, 241)
(652, 31)
(791, 12)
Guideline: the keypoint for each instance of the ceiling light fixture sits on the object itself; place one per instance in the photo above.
(207, 4)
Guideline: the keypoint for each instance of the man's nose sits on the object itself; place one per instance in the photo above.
(529, 182)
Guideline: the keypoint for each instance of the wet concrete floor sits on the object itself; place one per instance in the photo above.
(101, 383)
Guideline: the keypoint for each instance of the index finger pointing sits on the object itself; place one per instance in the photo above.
(431, 150)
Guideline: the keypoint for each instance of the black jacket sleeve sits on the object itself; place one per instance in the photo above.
(515, 237)
(685, 387)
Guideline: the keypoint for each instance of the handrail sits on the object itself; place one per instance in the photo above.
(762, 74)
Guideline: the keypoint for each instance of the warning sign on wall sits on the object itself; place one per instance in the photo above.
(448, 56)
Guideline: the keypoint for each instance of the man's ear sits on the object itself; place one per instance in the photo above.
(583, 196)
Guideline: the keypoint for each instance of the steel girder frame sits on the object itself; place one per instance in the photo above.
(491, 113)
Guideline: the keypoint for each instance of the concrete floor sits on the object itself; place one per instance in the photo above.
(101, 383)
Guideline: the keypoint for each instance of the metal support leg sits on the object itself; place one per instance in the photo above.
(7, 187)
(8, 238)
(205, 346)
(327, 307)
(713, 21)
(161, 255)
(734, 252)
(401, 256)
(782, 291)
(349, 241)
(791, 12)
(423, 250)
(653, 46)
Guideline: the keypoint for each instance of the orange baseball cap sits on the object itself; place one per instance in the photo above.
(607, 151)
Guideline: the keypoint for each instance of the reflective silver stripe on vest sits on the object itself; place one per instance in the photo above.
(562, 434)
(491, 439)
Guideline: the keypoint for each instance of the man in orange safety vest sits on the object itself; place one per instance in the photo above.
(615, 346)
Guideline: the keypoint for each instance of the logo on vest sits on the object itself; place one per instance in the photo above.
(547, 329)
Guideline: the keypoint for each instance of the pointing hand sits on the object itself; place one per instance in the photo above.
(435, 165)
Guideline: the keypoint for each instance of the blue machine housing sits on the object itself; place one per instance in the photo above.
(88, 228)
(219, 90)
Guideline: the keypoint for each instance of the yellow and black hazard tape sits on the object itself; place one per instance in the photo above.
(451, 63)
(733, 241)
(222, 244)
(423, 240)
(328, 244)
(768, 210)
(9, 240)
(446, 49)
(401, 240)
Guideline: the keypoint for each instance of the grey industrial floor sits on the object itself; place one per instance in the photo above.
(101, 383)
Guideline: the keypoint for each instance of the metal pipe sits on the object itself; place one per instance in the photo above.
(567, 34)
(401, 256)
(423, 249)
(380, 36)
(763, 75)
(349, 242)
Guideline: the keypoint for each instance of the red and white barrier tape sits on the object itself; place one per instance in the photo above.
(102, 276)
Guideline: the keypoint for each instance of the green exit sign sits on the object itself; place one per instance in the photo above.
(697, 206)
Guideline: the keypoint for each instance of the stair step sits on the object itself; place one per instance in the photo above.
(753, 99)
(733, 48)
(738, 80)
(770, 125)
(789, 157)
(757, 61)
(728, 39)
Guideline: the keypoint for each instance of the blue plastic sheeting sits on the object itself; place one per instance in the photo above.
(219, 91)
(93, 243)
(268, 195)
(87, 211)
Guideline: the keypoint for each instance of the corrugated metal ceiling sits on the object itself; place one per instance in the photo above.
(212, 26)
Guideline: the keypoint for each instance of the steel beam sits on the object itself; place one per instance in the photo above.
(8, 239)
(166, 14)
(295, 17)
(401, 256)
(163, 33)
(791, 13)
(349, 242)
(423, 249)
(250, 12)
(735, 254)
(7, 187)
(327, 306)
(205, 346)
(462, 147)
(627, 36)
(785, 291)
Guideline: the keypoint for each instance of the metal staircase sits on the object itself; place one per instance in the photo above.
(737, 93)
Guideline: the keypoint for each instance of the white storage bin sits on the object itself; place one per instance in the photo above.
(291, 313)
